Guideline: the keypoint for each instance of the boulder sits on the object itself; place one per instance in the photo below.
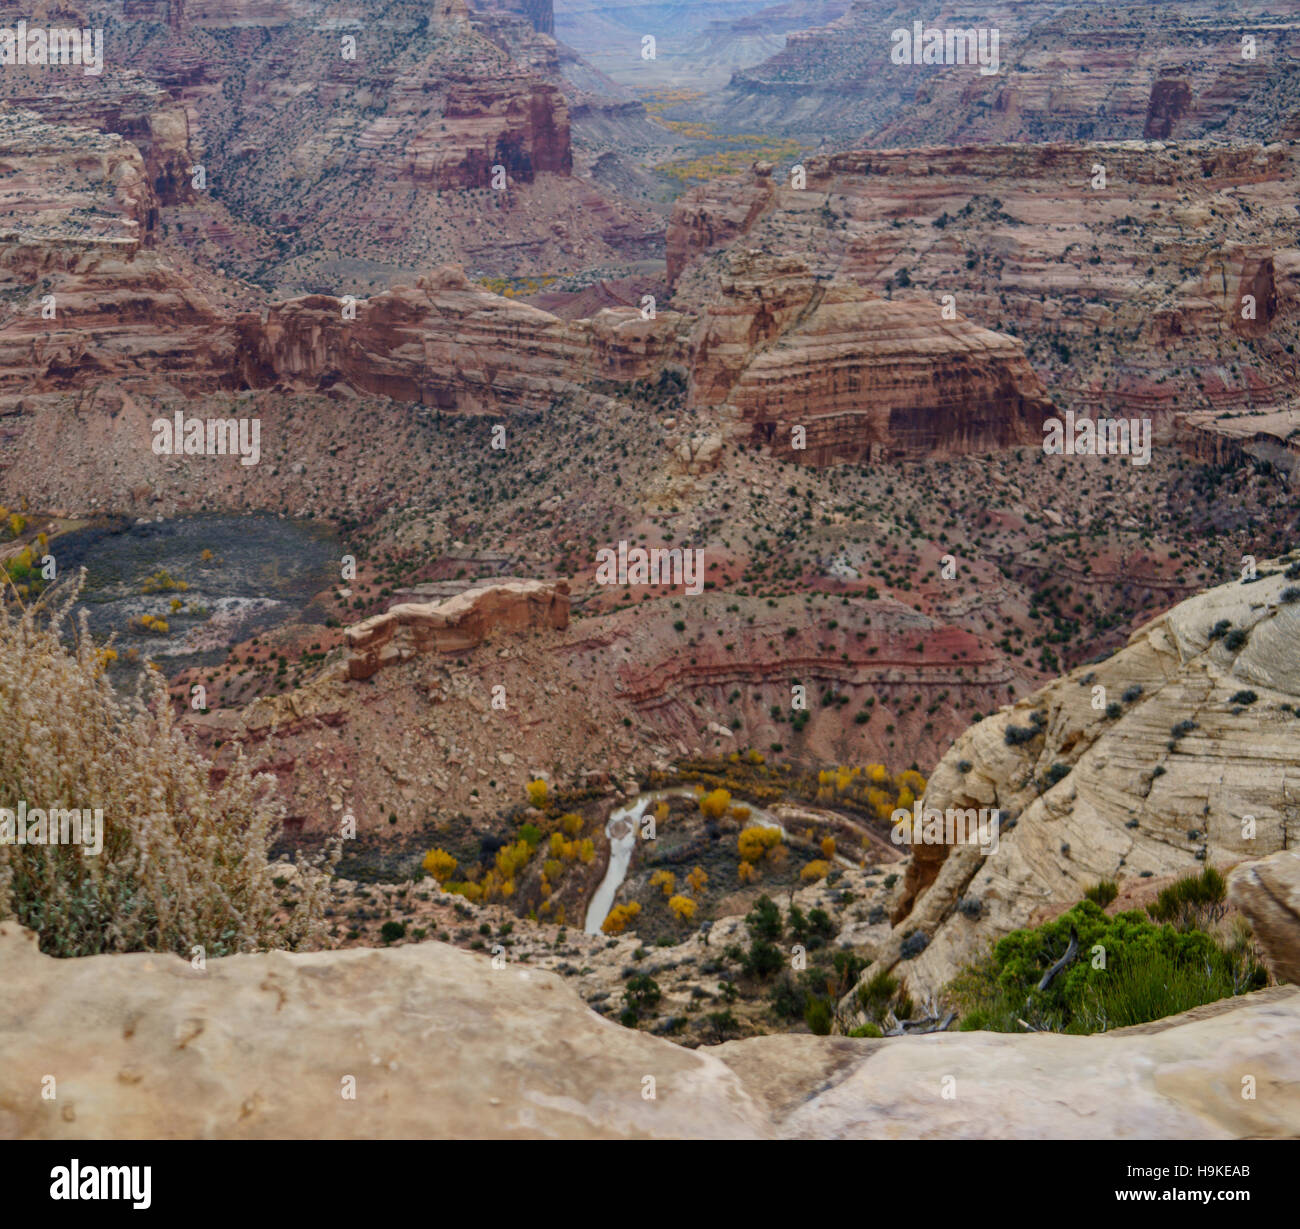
(425, 1041)
(1268, 893)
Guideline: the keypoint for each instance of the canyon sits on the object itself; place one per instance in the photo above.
(397, 137)
(1126, 297)
(504, 295)
(1068, 72)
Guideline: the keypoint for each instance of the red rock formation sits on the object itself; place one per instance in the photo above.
(456, 625)
(1215, 439)
(1160, 261)
(1170, 99)
(864, 378)
(1106, 72)
(310, 148)
(704, 221)
(870, 379)
(448, 343)
(86, 299)
(521, 126)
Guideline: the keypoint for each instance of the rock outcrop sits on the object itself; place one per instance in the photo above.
(1186, 253)
(1064, 71)
(86, 295)
(860, 377)
(1234, 439)
(1126, 71)
(1176, 752)
(456, 625)
(1268, 893)
(355, 1044)
(448, 343)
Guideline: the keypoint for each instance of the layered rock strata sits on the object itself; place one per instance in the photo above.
(460, 623)
(1176, 752)
(827, 373)
(1126, 297)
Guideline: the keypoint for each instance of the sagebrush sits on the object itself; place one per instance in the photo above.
(184, 862)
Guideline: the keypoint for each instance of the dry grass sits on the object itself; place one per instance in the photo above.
(184, 862)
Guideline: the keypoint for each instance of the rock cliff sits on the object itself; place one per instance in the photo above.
(1268, 893)
(862, 377)
(448, 343)
(354, 1045)
(1066, 71)
(1125, 297)
(456, 625)
(1177, 751)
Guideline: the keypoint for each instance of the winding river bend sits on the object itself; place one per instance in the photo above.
(623, 828)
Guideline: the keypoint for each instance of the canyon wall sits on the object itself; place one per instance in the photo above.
(1067, 71)
(1125, 292)
(863, 378)
(448, 343)
(1201, 736)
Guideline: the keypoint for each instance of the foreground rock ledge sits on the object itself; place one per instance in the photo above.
(442, 1045)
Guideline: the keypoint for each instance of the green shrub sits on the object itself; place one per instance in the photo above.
(875, 993)
(762, 960)
(817, 1016)
(1182, 901)
(641, 994)
(1150, 971)
(1102, 893)
(788, 1000)
(764, 920)
(390, 932)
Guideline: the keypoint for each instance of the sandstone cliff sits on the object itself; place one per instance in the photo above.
(1125, 298)
(1177, 751)
(86, 296)
(448, 343)
(1067, 71)
(1122, 71)
(1268, 893)
(458, 624)
(863, 377)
